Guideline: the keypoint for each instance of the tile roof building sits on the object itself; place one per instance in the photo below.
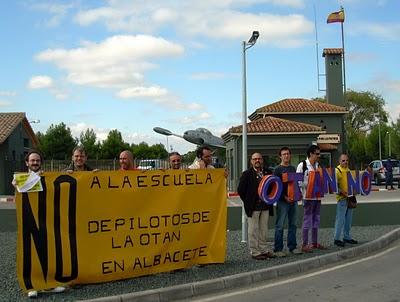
(16, 138)
(296, 123)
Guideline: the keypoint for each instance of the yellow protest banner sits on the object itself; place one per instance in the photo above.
(90, 227)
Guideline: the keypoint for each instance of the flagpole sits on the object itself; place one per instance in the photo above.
(344, 62)
(316, 47)
(344, 83)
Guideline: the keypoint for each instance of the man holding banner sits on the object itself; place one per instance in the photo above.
(175, 160)
(257, 211)
(33, 160)
(311, 204)
(344, 214)
(126, 161)
(79, 158)
(285, 208)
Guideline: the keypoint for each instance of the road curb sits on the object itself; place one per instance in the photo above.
(195, 289)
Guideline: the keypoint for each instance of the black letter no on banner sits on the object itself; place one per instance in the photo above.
(71, 228)
(38, 232)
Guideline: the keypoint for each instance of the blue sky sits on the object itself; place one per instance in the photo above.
(134, 65)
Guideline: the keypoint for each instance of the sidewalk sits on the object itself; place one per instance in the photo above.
(238, 270)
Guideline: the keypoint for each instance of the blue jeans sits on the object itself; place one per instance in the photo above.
(344, 217)
(283, 210)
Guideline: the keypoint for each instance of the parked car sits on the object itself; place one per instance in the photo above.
(379, 168)
(150, 164)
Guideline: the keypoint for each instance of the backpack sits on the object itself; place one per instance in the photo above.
(304, 167)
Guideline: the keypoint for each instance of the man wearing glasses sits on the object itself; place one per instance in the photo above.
(344, 214)
(311, 206)
(257, 211)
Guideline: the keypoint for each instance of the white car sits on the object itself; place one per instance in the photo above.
(149, 164)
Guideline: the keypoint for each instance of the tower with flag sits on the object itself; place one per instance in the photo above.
(336, 17)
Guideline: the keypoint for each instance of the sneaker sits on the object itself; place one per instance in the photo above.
(33, 294)
(259, 257)
(306, 249)
(269, 255)
(58, 289)
(351, 241)
(296, 252)
(280, 254)
(339, 243)
(319, 246)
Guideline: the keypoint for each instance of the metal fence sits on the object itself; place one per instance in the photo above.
(12, 166)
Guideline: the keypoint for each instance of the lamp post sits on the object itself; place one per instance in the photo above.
(390, 147)
(379, 134)
(246, 45)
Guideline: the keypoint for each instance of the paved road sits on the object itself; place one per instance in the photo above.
(372, 278)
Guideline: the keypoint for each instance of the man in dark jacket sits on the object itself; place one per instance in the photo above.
(257, 211)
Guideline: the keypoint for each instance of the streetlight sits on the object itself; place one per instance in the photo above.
(165, 132)
(246, 45)
(390, 147)
(379, 129)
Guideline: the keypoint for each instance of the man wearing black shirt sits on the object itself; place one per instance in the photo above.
(285, 208)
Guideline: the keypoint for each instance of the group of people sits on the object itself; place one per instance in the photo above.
(34, 161)
(258, 212)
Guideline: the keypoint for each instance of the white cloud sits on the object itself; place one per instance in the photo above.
(393, 85)
(40, 82)
(57, 11)
(117, 62)
(8, 93)
(213, 19)
(78, 128)
(361, 57)
(382, 31)
(208, 76)
(140, 92)
(5, 103)
(59, 94)
(159, 96)
(194, 119)
(393, 110)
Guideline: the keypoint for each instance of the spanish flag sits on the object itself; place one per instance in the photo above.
(336, 17)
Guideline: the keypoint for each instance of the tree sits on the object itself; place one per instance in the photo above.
(144, 151)
(395, 139)
(88, 141)
(189, 157)
(158, 151)
(357, 145)
(141, 150)
(58, 142)
(113, 145)
(362, 107)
